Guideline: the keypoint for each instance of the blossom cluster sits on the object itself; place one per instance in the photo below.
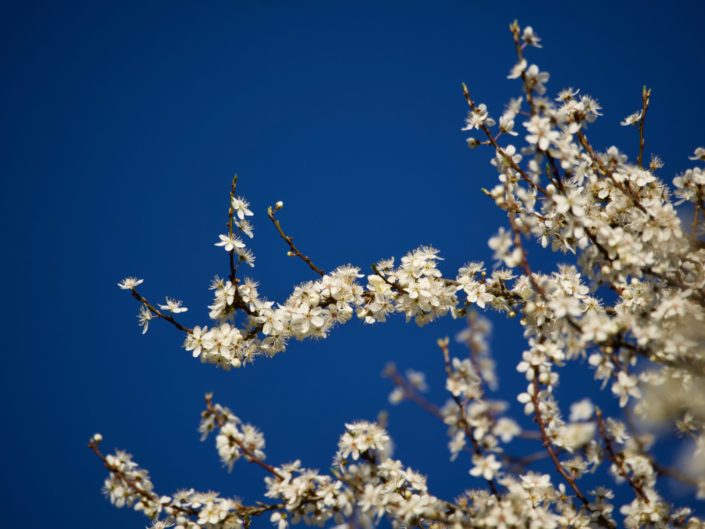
(628, 305)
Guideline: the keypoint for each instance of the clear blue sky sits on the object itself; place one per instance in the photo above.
(121, 126)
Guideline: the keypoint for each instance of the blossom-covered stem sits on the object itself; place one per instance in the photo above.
(548, 445)
(169, 504)
(518, 46)
(446, 520)
(293, 250)
(617, 458)
(626, 189)
(645, 95)
(475, 352)
(524, 262)
(518, 242)
(157, 312)
(249, 455)
(94, 445)
(394, 286)
(661, 470)
(443, 345)
(500, 151)
(252, 458)
(149, 496)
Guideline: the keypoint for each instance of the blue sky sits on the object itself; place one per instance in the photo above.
(122, 124)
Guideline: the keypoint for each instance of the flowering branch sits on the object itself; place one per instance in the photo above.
(632, 305)
(617, 458)
(156, 312)
(463, 423)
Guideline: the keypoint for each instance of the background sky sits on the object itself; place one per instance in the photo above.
(121, 126)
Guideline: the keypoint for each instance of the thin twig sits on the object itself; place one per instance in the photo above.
(231, 213)
(645, 96)
(158, 313)
(528, 90)
(293, 250)
(411, 393)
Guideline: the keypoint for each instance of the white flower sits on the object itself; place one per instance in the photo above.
(698, 154)
(130, 283)
(631, 119)
(241, 207)
(230, 242)
(533, 481)
(173, 306)
(541, 133)
(506, 124)
(478, 118)
(417, 379)
(536, 79)
(574, 202)
(246, 228)
(506, 429)
(279, 519)
(396, 396)
(476, 292)
(581, 410)
(211, 513)
(530, 38)
(144, 316)
(360, 437)
(517, 70)
(485, 466)
(247, 256)
(198, 340)
(626, 386)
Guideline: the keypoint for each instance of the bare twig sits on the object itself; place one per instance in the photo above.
(288, 239)
(231, 213)
(645, 96)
